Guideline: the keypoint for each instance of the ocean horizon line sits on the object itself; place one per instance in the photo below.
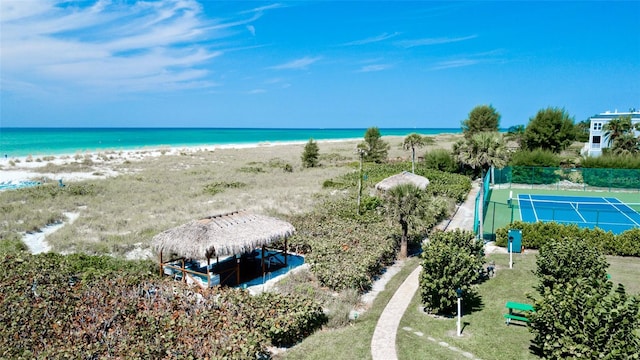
(455, 129)
(20, 142)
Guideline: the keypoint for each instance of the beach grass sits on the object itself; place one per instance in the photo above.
(144, 195)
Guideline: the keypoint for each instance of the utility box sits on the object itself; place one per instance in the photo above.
(514, 240)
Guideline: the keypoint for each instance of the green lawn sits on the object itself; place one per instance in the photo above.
(353, 341)
(485, 334)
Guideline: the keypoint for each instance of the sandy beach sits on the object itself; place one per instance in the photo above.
(139, 193)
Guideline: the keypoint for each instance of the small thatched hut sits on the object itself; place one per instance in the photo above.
(218, 236)
(403, 178)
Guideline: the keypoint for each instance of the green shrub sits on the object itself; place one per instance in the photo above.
(537, 157)
(310, 155)
(612, 162)
(440, 159)
(450, 260)
(536, 235)
(289, 324)
(54, 306)
(577, 315)
(218, 187)
(562, 261)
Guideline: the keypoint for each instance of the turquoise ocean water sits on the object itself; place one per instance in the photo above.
(15, 142)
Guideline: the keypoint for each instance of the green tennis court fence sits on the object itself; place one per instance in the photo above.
(486, 195)
(567, 178)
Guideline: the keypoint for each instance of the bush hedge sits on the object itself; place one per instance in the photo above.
(347, 250)
(450, 260)
(535, 235)
(577, 315)
(55, 306)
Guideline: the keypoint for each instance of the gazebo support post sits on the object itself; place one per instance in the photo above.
(262, 258)
(208, 273)
(238, 270)
(285, 251)
(161, 265)
(184, 274)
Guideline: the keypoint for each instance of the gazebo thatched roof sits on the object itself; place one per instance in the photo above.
(222, 235)
(403, 178)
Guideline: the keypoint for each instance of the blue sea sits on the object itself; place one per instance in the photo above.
(18, 142)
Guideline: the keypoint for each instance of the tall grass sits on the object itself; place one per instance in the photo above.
(151, 195)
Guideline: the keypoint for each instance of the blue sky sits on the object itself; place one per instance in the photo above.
(302, 64)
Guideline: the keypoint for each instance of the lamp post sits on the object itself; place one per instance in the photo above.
(510, 252)
(361, 151)
(459, 293)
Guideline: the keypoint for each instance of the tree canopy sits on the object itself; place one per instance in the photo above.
(482, 118)
(310, 154)
(404, 204)
(481, 151)
(411, 142)
(551, 129)
(376, 149)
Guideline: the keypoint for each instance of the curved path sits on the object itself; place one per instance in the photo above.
(384, 337)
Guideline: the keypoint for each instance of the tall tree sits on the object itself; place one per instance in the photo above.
(404, 204)
(481, 151)
(411, 142)
(482, 118)
(376, 148)
(616, 128)
(310, 154)
(551, 129)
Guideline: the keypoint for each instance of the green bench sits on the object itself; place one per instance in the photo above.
(517, 311)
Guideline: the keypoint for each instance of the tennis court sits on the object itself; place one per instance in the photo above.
(606, 213)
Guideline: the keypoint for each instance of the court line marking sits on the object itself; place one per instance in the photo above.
(575, 208)
(627, 216)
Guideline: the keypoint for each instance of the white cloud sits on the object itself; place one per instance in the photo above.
(374, 67)
(432, 41)
(263, 8)
(136, 46)
(252, 29)
(298, 64)
(374, 39)
(257, 91)
(454, 64)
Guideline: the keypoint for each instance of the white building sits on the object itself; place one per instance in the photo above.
(597, 140)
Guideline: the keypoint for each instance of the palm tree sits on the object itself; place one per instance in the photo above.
(626, 144)
(616, 128)
(482, 151)
(411, 142)
(404, 204)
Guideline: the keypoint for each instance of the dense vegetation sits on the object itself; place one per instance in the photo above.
(577, 313)
(346, 249)
(536, 235)
(78, 306)
(451, 260)
(550, 129)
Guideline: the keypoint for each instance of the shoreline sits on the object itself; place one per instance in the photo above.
(25, 168)
(19, 142)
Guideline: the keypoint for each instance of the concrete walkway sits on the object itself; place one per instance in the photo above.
(383, 343)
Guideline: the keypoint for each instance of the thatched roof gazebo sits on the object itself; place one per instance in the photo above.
(222, 235)
(403, 178)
